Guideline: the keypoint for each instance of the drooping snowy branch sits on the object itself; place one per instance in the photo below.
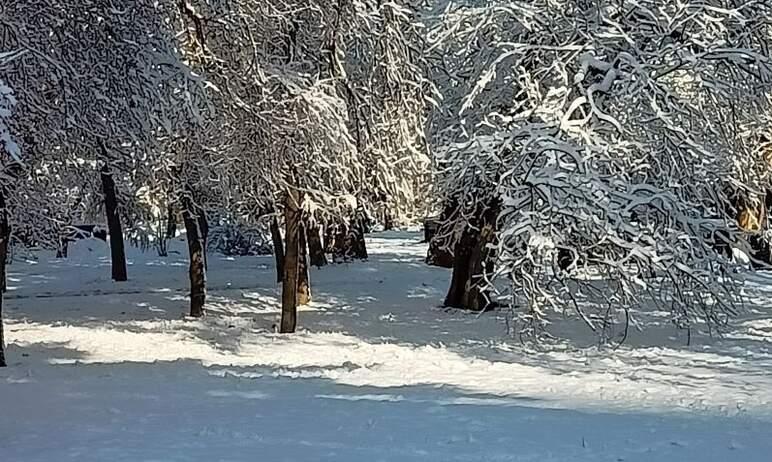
(615, 134)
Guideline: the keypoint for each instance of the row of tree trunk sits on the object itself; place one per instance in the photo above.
(304, 247)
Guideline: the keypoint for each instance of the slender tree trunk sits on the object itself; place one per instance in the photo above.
(197, 269)
(289, 298)
(339, 242)
(203, 227)
(5, 242)
(117, 251)
(2, 335)
(61, 252)
(278, 248)
(5, 231)
(304, 282)
(171, 222)
(315, 248)
(388, 221)
(162, 241)
(329, 237)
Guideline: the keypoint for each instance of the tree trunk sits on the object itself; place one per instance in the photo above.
(388, 221)
(339, 242)
(461, 265)
(197, 269)
(437, 233)
(472, 259)
(5, 242)
(329, 237)
(315, 248)
(61, 251)
(2, 336)
(289, 298)
(203, 227)
(278, 248)
(304, 282)
(117, 251)
(357, 246)
(171, 222)
(5, 232)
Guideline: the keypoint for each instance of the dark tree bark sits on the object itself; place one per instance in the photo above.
(339, 242)
(329, 237)
(357, 246)
(171, 222)
(289, 298)
(5, 242)
(61, 251)
(461, 266)
(197, 269)
(349, 241)
(304, 281)
(117, 251)
(2, 335)
(278, 248)
(5, 232)
(315, 248)
(436, 233)
(388, 221)
(472, 259)
(203, 227)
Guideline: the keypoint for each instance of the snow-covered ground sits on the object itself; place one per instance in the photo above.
(103, 371)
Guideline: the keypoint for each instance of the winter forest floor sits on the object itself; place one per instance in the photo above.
(103, 371)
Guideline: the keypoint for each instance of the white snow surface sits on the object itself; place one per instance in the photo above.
(103, 371)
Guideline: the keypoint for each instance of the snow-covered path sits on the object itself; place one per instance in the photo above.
(102, 371)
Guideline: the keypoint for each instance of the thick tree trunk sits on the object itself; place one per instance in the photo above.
(436, 233)
(197, 269)
(356, 247)
(117, 251)
(472, 259)
(278, 248)
(304, 282)
(5, 232)
(461, 265)
(289, 298)
(315, 248)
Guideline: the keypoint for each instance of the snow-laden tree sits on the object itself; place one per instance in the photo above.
(607, 140)
(296, 135)
(98, 85)
(9, 150)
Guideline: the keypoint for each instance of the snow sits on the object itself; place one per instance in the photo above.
(115, 371)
